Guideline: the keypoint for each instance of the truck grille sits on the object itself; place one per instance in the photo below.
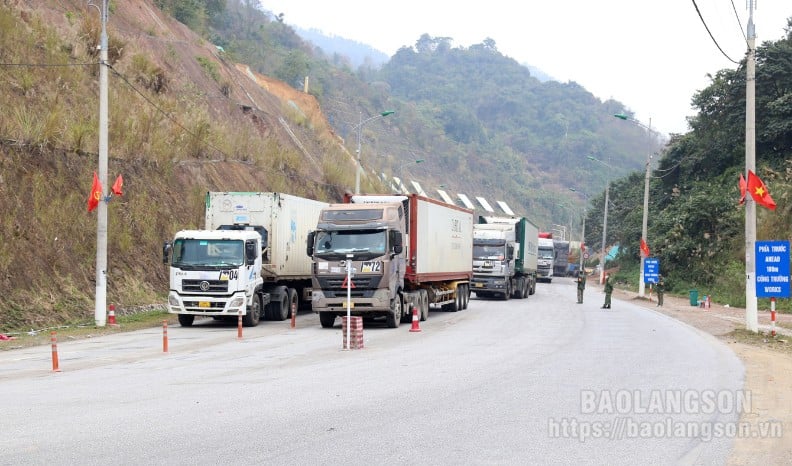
(364, 286)
(205, 286)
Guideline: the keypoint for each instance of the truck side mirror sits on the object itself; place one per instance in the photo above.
(309, 243)
(396, 242)
(166, 247)
(251, 252)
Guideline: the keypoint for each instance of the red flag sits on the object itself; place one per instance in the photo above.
(644, 248)
(119, 183)
(96, 193)
(759, 191)
(743, 187)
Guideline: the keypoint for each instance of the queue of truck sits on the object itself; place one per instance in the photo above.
(264, 255)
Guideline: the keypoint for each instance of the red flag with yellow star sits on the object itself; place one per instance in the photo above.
(96, 193)
(759, 191)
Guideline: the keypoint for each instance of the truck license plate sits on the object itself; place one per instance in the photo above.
(478, 285)
(204, 304)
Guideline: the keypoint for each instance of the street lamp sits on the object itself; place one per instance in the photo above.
(644, 225)
(412, 162)
(359, 127)
(604, 219)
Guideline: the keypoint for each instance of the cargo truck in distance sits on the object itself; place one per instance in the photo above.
(405, 251)
(504, 257)
(561, 262)
(248, 258)
(546, 260)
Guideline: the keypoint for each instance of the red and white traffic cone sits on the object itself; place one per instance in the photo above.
(415, 327)
(111, 317)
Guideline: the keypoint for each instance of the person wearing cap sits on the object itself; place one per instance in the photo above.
(581, 285)
(660, 288)
(608, 291)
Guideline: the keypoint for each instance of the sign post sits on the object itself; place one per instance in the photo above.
(772, 269)
(651, 270)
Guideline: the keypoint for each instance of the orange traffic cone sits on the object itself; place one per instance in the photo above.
(111, 317)
(415, 327)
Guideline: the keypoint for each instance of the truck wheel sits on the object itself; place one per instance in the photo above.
(186, 320)
(279, 310)
(508, 293)
(424, 305)
(465, 296)
(532, 287)
(456, 305)
(327, 319)
(253, 315)
(393, 318)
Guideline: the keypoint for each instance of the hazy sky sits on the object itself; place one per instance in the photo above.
(651, 55)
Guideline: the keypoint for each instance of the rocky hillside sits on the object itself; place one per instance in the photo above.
(183, 120)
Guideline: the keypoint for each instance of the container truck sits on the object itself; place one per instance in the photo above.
(504, 257)
(405, 251)
(561, 260)
(248, 258)
(546, 252)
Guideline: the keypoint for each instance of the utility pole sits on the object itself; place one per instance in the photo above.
(100, 312)
(751, 315)
(645, 222)
(604, 234)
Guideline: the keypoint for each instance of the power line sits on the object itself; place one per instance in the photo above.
(710, 34)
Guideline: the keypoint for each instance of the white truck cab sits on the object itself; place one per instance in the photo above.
(215, 273)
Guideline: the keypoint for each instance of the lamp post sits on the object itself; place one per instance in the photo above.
(645, 221)
(359, 128)
(604, 220)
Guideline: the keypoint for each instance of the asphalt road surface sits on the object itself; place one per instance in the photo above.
(536, 381)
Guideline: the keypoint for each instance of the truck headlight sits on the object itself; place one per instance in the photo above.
(173, 300)
(239, 301)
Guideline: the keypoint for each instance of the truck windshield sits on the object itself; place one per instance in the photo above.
(345, 242)
(488, 252)
(546, 253)
(189, 252)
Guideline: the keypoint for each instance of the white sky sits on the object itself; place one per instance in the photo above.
(650, 55)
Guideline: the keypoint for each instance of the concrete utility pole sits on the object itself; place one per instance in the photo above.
(645, 222)
(751, 315)
(100, 312)
(604, 233)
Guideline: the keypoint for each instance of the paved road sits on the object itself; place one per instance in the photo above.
(499, 383)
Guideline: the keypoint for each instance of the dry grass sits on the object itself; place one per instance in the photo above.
(172, 134)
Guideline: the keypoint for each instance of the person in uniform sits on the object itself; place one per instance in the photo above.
(608, 291)
(660, 288)
(581, 285)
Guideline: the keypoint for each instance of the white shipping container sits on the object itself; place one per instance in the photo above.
(531, 245)
(444, 238)
(286, 218)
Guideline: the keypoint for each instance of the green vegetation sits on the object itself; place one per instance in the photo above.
(182, 124)
(696, 225)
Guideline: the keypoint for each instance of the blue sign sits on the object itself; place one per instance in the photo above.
(772, 269)
(651, 270)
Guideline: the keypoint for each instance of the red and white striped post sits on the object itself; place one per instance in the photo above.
(164, 336)
(239, 326)
(294, 315)
(772, 317)
(54, 341)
